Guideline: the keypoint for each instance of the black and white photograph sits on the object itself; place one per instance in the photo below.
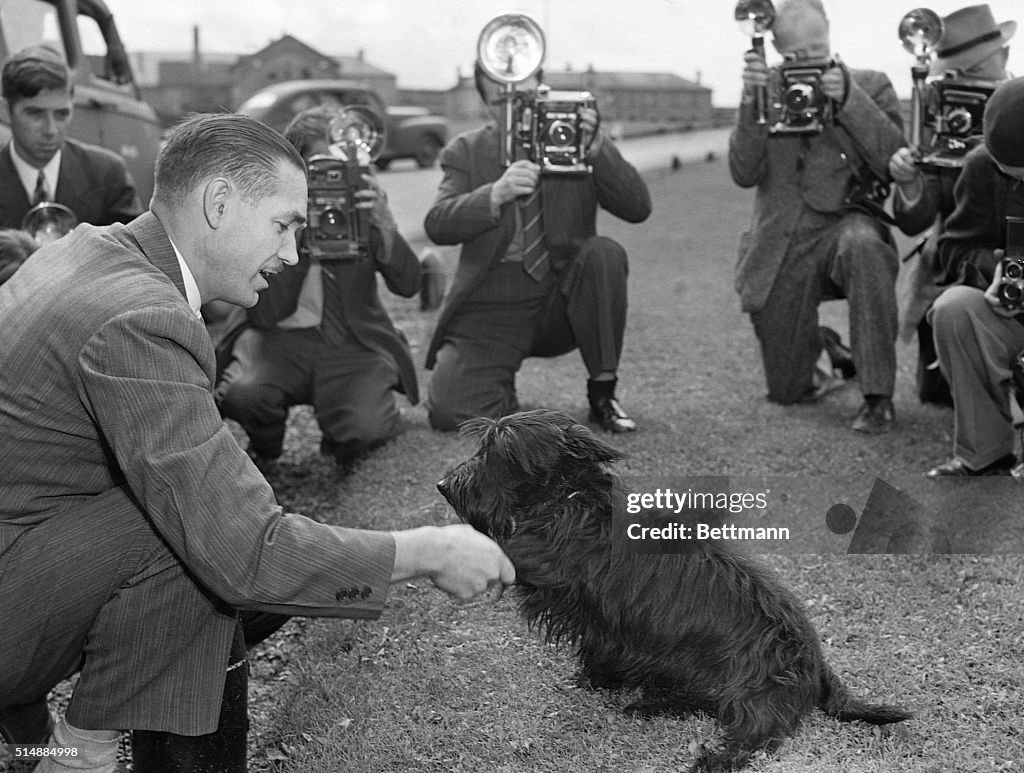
(506, 387)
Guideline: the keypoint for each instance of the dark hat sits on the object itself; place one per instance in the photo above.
(1003, 124)
(969, 35)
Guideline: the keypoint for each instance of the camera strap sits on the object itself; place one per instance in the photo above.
(867, 192)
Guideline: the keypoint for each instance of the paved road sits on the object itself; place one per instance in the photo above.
(411, 190)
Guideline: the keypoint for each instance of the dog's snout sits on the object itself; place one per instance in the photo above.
(442, 486)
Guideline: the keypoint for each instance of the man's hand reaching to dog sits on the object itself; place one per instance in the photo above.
(458, 559)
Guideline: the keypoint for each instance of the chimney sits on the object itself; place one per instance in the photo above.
(361, 55)
(699, 76)
(197, 57)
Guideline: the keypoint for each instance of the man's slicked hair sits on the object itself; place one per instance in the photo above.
(34, 69)
(245, 151)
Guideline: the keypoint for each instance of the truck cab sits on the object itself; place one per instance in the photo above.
(109, 109)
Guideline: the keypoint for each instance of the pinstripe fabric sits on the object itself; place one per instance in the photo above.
(106, 411)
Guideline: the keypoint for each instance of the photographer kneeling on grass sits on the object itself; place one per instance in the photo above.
(813, 236)
(979, 325)
(132, 525)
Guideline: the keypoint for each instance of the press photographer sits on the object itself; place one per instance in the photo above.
(534, 278)
(979, 327)
(319, 334)
(818, 230)
(961, 58)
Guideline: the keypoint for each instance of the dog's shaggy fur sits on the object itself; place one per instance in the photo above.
(708, 630)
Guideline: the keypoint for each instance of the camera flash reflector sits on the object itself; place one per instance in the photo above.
(511, 48)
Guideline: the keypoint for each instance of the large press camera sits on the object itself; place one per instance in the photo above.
(797, 105)
(543, 125)
(337, 229)
(793, 102)
(949, 108)
(1011, 287)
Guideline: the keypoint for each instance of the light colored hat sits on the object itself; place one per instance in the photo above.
(970, 35)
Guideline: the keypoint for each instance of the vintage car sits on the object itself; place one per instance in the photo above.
(410, 132)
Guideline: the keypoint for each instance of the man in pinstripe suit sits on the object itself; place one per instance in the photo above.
(132, 525)
(500, 311)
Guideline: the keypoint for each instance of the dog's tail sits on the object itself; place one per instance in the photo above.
(839, 703)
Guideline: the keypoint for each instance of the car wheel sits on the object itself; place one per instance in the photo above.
(382, 163)
(427, 152)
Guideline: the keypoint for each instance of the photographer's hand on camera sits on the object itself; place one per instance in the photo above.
(373, 199)
(519, 179)
(590, 125)
(755, 76)
(833, 84)
(992, 291)
(906, 174)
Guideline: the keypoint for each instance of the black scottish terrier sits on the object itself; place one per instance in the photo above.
(704, 631)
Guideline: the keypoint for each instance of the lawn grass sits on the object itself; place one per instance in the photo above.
(436, 685)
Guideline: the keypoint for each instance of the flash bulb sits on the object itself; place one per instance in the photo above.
(511, 48)
(755, 17)
(920, 31)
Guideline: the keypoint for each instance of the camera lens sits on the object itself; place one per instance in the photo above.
(332, 223)
(959, 121)
(561, 134)
(798, 97)
(1013, 269)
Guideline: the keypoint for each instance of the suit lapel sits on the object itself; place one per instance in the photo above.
(156, 245)
(14, 201)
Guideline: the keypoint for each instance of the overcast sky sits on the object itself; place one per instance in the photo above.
(425, 42)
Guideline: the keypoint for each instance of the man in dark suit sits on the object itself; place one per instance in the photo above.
(808, 241)
(979, 339)
(40, 164)
(502, 307)
(319, 334)
(132, 525)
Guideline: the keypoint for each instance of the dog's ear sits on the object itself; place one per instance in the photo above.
(582, 444)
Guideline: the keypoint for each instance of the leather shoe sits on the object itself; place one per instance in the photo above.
(607, 412)
(31, 724)
(955, 468)
(838, 353)
(875, 416)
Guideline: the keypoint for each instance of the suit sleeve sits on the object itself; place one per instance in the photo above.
(461, 212)
(144, 383)
(400, 267)
(871, 116)
(620, 188)
(748, 156)
(975, 229)
(914, 218)
(121, 201)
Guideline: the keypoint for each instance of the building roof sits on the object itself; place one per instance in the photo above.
(606, 81)
(285, 41)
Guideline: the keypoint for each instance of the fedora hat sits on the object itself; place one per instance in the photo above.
(970, 35)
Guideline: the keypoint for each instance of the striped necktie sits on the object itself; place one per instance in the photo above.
(535, 251)
(40, 194)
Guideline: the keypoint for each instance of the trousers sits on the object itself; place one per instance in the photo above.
(852, 259)
(350, 388)
(976, 349)
(511, 317)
